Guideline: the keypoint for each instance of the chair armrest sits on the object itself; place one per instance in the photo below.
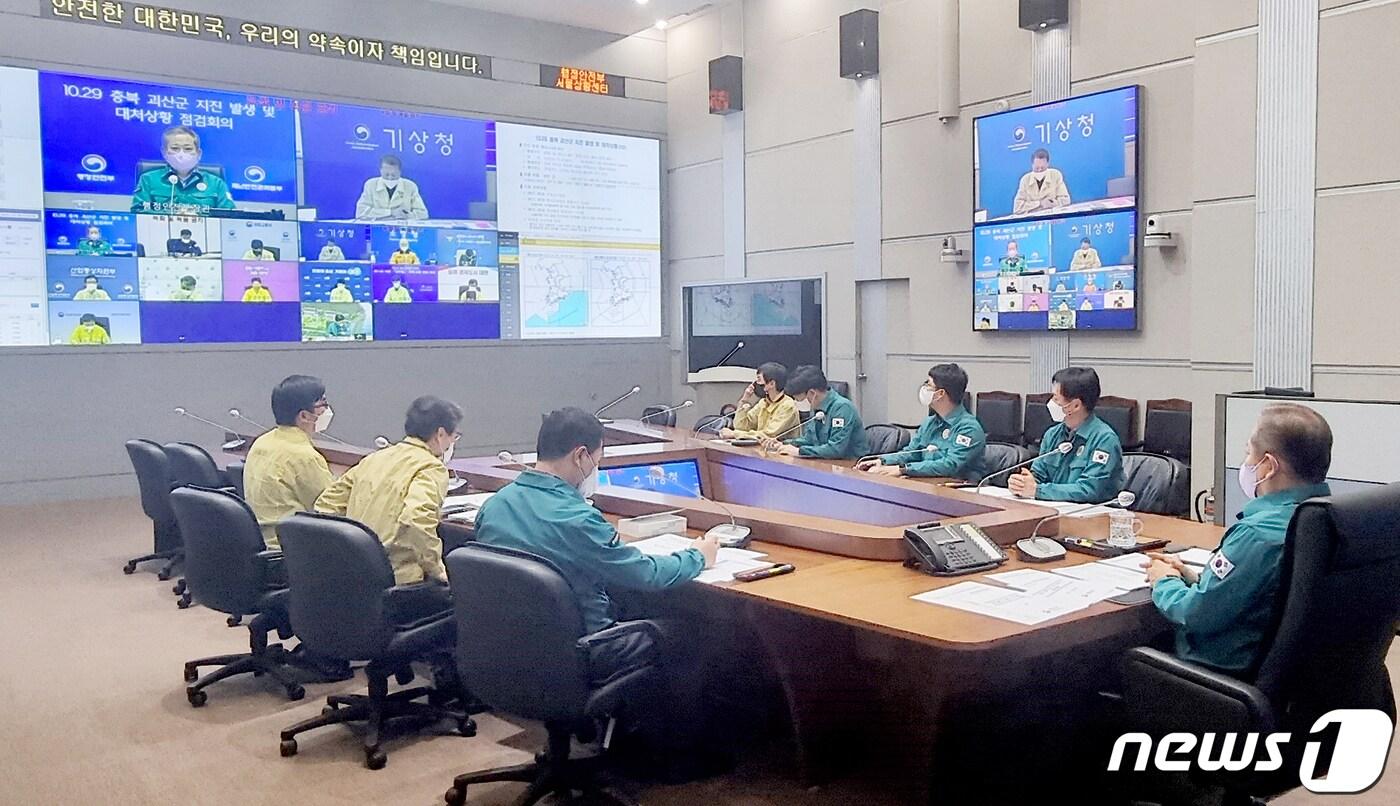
(612, 652)
(1165, 693)
(1133, 446)
(415, 604)
(272, 569)
(619, 630)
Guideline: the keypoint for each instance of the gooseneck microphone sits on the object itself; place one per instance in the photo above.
(1062, 448)
(1122, 500)
(737, 347)
(381, 441)
(816, 415)
(511, 459)
(231, 445)
(634, 390)
(238, 415)
(649, 418)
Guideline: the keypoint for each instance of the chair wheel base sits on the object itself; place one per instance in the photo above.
(191, 674)
(376, 759)
(184, 602)
(233, 621)
(456, 796)
(288, 748)
(295, 692)
(163, 575)
(196, 697)
(129, 568)
(466, 726)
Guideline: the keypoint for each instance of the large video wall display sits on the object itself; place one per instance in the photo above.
(1054, 234)
(136, 213)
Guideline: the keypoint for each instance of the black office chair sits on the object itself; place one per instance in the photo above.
(887, 438)
(1167, 428)
(1000, 415)
(152, 468)
(1121, 415)
(711, 424)
(344, 604)
(842, 388)
(523, 651)
(228, 568)
(1339, 599)
(1161, 484)
(1037, 420)
(658, 415)
(234, 473)
(191, 464)
(998, 457)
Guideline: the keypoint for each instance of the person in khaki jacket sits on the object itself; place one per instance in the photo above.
(398, 493)
(1041, 188)
(764, 409)
(284, 473)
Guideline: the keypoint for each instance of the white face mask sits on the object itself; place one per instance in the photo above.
(589, 485)
(1249, 479)
(323, 420)
(1057, 412)
(391, 183)
(804, 405)
(926, 394)
(447, 454)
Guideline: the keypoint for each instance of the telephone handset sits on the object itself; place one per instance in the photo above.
(958, 548)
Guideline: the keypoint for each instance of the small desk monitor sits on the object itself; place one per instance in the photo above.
(680, 477)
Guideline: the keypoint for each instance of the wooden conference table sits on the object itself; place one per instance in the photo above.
(865, 669)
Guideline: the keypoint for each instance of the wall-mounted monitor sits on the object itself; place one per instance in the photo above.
(1054, 236)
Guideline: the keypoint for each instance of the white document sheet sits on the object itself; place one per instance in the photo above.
(1007, 604)
(1195, 556)
(469, 499)
(1103, 573)
(672, 543)
(725, 569)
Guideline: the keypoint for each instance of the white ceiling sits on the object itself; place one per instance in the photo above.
(623, 17)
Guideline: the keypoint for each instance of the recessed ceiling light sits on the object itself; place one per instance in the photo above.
(641, 2)
(660, 25)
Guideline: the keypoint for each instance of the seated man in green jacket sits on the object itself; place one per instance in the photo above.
(1224, 611)
(1081, 458)
(835, 430)
(950, 442)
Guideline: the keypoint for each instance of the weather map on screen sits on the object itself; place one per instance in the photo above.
(135, 212)
(1054, 239)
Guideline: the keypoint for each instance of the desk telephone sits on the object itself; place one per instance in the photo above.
(958, 548)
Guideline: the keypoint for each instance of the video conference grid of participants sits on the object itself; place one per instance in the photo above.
(1054, 238)
(124, 203)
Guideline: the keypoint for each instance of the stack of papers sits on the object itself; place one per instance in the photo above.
(727, 563)
(1029, 596)
(1063, 507)
(474, 500)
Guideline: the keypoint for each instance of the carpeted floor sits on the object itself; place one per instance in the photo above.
(95, 712)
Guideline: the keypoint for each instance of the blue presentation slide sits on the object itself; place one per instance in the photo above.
(1111, 237)
(670, 478)
(177, 322)
(329, 282)
(432, 321)
(68, 231)
(93, 279)
(466, 247)
(447, 158)
(109, 323)
(386, 239)
(327, 241)
(993, 253)
(97, 131)
(1091, 142)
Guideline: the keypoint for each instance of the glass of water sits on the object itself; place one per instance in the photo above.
(1123, 529)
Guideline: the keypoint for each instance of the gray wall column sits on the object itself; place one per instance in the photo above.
(1285, 187)
(872, 350)
(1049, 82)
(731, 37)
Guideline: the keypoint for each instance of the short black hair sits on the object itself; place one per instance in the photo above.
(806, 378)
(398, 278)
(257, 244)
(1041, 154)
(427, 414)
(952, 379)
(1298, 435)
(1085, 240)
(565, 429)
(775, 372)
(391, 159)
(186, 232)
(295, 394)
(87, 319)
(92, 277)
(1079, 383)
(340, 282)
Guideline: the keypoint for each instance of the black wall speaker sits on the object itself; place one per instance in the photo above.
(726, 85)
(1037, 15)
(860, 44)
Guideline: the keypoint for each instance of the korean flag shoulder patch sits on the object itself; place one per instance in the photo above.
(964, 440)
(1099, 458)
(838, 422)
(1220, 565)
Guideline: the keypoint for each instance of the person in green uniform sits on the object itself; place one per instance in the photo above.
(835, 430)
(94, 244)
(546, 512)
(1013, 262)
(950, 442)
(1223, 613)
(1081, 458)
(180, 185)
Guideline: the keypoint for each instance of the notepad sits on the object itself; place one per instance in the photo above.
(469, 499)
(1008, 604)
(1123, 578)
(672, 543)
(1195, 556)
